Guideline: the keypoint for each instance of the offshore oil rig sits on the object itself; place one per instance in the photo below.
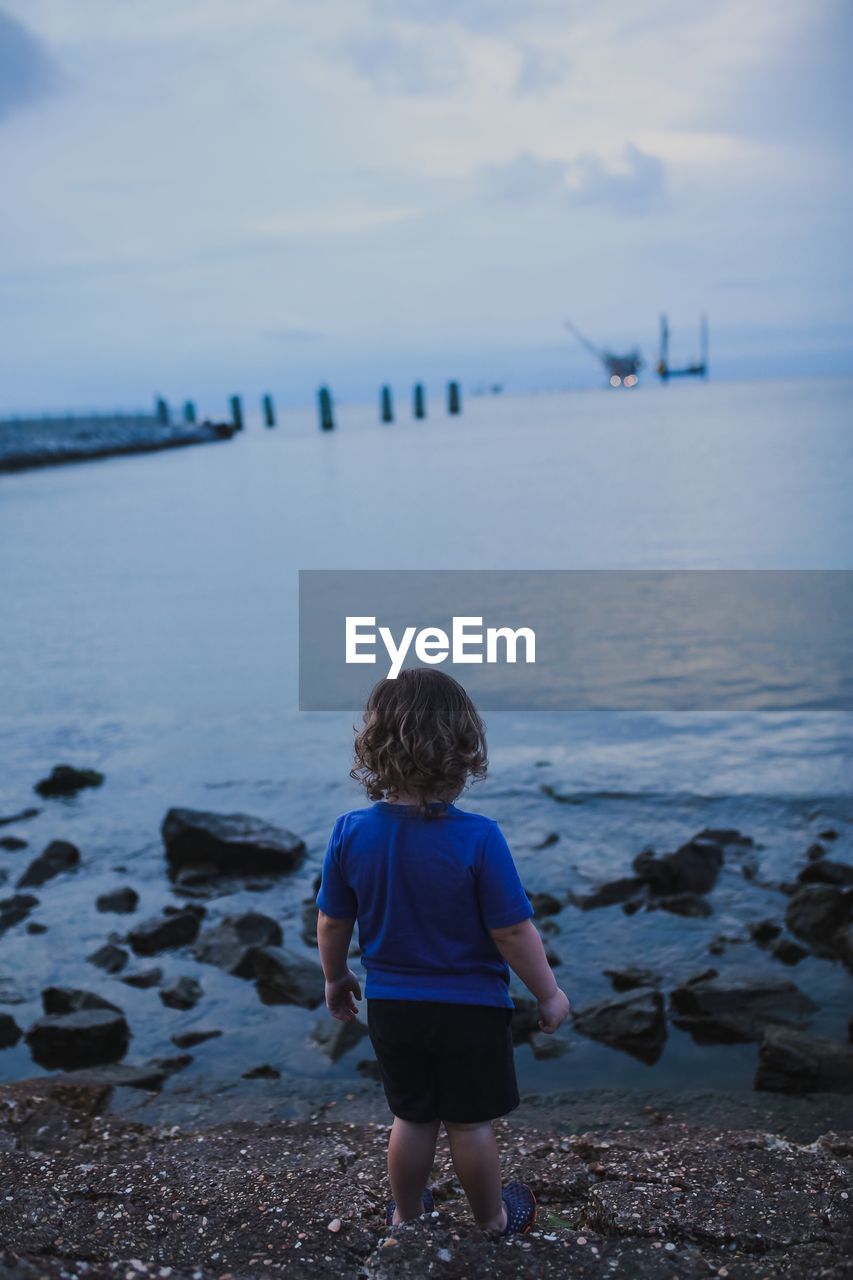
(624, 370)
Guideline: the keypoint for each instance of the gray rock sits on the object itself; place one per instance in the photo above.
(72, 1000)
(764, 931)
(609, 893)
(65, 780)
(337, 1038)
(10, 1032)
(143, 978)
(283, 977)
(733, 1009)
(691, 905)
(827, 871)
(263, 1072)
(60, 855)
(122, 901)
(24, 814)
(189, 1039)
(109, 957)
(12, 843)
(791, 1062)
(544, 1046)
(693, 868)
(635, 1022)
(234, 843)
(164, 933)
(545, 904)
(630, 978)
(181, 993)
(15, 909)
(231, 945)
(310, 916)
(725, 836)
(816, 913)
(83, 1039)
(788, 951)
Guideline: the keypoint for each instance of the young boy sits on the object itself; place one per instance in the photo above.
(441, 914)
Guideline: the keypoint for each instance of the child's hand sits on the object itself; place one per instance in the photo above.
(553, 1011)
(341, 996)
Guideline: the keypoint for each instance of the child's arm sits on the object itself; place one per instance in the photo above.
(521, 947)
(342, 987)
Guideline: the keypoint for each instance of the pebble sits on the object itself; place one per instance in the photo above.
(335, 1225)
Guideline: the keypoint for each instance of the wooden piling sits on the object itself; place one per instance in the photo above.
(454, 398)
(327, 414)
(236, 413)
(269, 411)
(419, 401)
(189, 412)
(386, 405)
(162, 411)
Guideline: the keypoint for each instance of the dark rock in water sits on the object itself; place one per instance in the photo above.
(109, 957)
(734, 1009)
(826, 871)
(164, 932)
(65, 780)
(815, 851)
(630, 978)
(545, 842)
(83, 1039)
(337, 1038)
(545, 904)
(231, 945)
(181, 993)
(829, 834)
(725, 836)
(189, 1039)
(283, 977)
(608, 894)
(791, 1062)
(122, 900)
(19, 817)
(35, 927)
(552, 958)
(233, 843)
(843, 945)
(788, 951)
(816, 913)
(635, 1022)
(545, 1046)
(179, 1062)
(122, 1075)
(10, 1032)
(194, 908)
(525, 1019)
(263, 1072)
(72, 1000)
(15, 909)
(369, 1068)
(12, 844)
(764, 931)
(310, 916)
(681, 904)
(143, 978)
(549, 927)
(693, 868)
(59, 856)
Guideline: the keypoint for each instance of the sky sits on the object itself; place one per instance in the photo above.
(202, 196)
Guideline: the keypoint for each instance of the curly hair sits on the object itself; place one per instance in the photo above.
(422, 736)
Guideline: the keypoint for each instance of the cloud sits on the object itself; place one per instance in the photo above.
(27, 72)
(339, 221)
(539, 69)
(475, 15)
(413, 66)
(634, 186)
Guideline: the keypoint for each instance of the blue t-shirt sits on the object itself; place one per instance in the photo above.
(425, 891)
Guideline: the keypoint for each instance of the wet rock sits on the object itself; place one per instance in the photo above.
(693, 868)
(764, 931)
(630, 978)
(124, 1075)
(10, 1032)
(34, 926)
(815, 913)
(60, 855)
(733, 1009)
(634, 1022)
(231, 945)
(609, 893)
(283, 977)
(19, 817)
(15, 909)
(815, 851)
(691, 905)
(122, 901)
(546, 1046)
(109, 957)
(525, 1018)
(337, 1038)
(722, 941)
(234, 843)
(842, 943)
(189, 1039)
(791, 1062)
(12, 844)
(143, 978)
(264, 1072)
(829, 834)
(725, 836)
(164, 933)
(788, 951)
(827, 871)
(72, 1000)
(545, 904)
(310, 916)
(82, 1039)
(65, 780)
(545, 841)
(179, 1062)
(181, 993)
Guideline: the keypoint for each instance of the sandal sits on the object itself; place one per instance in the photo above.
(520, 1208)
(428, 1203)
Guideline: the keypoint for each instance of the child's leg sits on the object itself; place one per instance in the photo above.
(478, 1168)
(411, 1153)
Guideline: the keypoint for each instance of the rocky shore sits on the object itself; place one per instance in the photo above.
(86, 1192)
(25, 443)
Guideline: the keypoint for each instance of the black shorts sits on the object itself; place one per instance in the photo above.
(442, 1061)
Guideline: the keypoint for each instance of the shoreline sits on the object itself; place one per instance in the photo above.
(107, 442)
(88, 1192)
